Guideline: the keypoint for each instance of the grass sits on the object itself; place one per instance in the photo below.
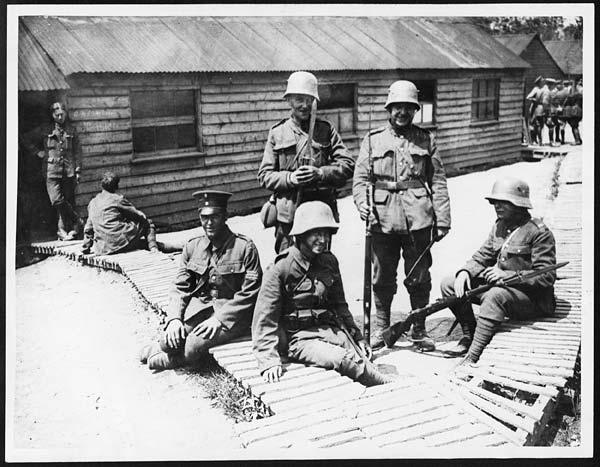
(226, 393)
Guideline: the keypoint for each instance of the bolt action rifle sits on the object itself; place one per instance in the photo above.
(391, 334)
(307, 157)
(371, 220)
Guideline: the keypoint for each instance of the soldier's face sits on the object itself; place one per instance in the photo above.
(401, 114)
(213, 224)
(59, 114)
(505, 210)
(300, 105)
(316, 241)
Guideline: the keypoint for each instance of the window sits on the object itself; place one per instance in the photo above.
(484, 103)
(163, 121)
(427, 99)
(338, 105)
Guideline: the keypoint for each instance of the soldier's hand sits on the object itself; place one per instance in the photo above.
(494, 274)
(366, 349)
(306, 174)
(462, 283)
(363, 210)
(273, 374)
(208, 329)
(175, 334)
(441, 233)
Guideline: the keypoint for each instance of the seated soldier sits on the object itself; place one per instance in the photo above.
(302, 303)
(517, 243)
(213, 297)
(114, 225)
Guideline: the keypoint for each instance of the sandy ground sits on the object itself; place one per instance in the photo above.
(80, 392)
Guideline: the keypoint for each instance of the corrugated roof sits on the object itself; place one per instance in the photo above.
(568, 55)
(233, 44)
(36, 70)
(516, 43)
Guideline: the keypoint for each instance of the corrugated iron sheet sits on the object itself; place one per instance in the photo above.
(236, 44)
(568, 55)
(36, 70)
(516, 43)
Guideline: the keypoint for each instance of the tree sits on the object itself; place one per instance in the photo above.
(574, 31)
(548, 27)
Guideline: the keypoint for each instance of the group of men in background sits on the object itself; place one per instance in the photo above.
(554, 104)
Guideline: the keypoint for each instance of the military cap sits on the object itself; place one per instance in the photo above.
(212, 201)
(538, 79)
(550, 80)
(566, 81)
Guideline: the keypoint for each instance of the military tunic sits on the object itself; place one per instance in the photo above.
(410, 198)
(296, 289)
(113, 223)
(221, 282)
(523, 247)
(286, 144)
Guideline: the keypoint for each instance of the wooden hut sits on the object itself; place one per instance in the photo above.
(175, 104)
(569, 57)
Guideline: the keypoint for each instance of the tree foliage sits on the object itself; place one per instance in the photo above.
(548, 27)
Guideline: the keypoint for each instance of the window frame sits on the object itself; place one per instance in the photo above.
(433, 103)
(477, 101)
(173, 153)
(354, 109)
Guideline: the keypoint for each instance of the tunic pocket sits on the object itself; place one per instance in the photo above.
(381, 196)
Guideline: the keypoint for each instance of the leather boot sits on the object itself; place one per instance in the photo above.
(419, 335)
(577, 136)
(382, 321)
(562, 136)
(373, 377)
(467, 322)
(163, 361)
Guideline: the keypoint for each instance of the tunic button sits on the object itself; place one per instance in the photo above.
(503, 259)
(213, 278)
(412, 165)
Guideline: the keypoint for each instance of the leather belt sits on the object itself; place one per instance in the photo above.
(305, 318)
(398, 186)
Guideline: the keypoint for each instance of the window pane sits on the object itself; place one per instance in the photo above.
(426, 90)
(141, 104)
(336, 96)
(164, 105)
(186, 136)
(166, 137)
(143, 139)
(346, 124)
(427, 112)
(184, 103)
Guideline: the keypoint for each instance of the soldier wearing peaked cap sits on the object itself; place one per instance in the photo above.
(411, 204)
(213, 296)
(539, 103)
(285, 169)
(516, 243)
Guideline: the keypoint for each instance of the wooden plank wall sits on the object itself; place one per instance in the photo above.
(236, 112)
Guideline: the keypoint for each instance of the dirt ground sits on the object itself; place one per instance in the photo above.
(80, 392)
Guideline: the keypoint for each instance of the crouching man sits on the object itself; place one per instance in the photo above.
(517, 243)
(114, 225)
(301, 306)
(215, 290)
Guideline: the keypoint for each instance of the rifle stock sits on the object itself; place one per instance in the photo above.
(393, 333)
(367, 297)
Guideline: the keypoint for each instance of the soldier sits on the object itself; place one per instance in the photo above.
(559, 99)
(61, 153)
(575, 103)
(283, 170)
(410, 202)
(213, 297)
(114, 225)
(536, 109)
(516, 243)
(550, 109)
(302, 311)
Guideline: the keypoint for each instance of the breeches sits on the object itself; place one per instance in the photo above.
(282, 236)
(327, 347)
(498, 302)
(386, 256)
(61, 191)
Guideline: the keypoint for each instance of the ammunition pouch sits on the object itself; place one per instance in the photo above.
(307, 318)
(398, 185)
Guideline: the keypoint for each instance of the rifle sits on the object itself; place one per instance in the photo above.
(307, 157)
(391, 334)
(368, 244)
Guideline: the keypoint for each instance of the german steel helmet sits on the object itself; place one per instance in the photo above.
(302, 82)
(512, 190)
(313, 215)
(403, 91)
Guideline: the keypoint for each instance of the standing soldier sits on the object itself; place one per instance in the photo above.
(301, 311)
(550, 109)
(536, 110)
(410, 202)
(213, 297)
(283, 170)
(61, 151)
(575, 104)
(559, 100)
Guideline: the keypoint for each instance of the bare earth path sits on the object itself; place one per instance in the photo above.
(80, 390)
